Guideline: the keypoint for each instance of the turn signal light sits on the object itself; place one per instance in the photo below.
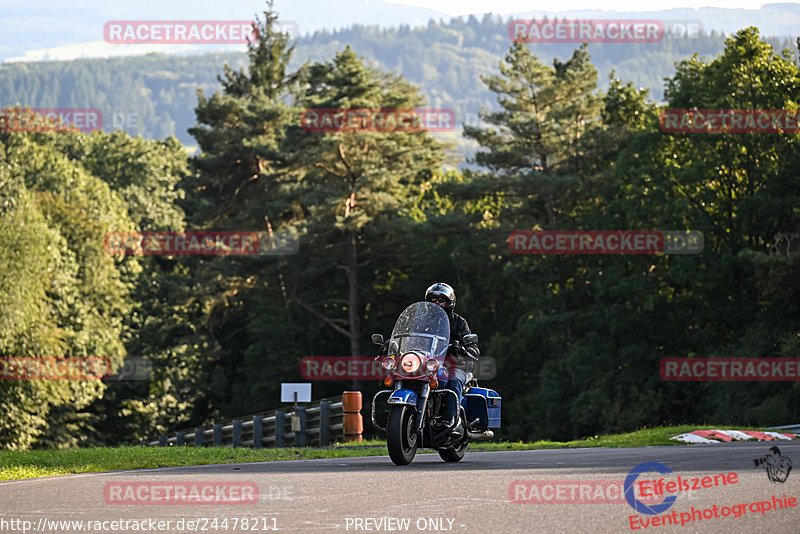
(434, 383)
(387, 381)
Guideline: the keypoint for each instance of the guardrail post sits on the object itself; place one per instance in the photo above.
(300, 437)
(162, 441)
(180, 439)
(257, 432)
(352, 421)
(237, 433)
(324, 423)
(198, 437)
(279, 428)
(217, 435)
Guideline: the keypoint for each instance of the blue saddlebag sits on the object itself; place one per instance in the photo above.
(483, 404)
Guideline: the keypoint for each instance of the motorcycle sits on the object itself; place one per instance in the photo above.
(416, 409)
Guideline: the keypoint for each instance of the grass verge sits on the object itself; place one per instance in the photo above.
(32, 464)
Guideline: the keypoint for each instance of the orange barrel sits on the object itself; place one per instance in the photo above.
(351, 402)
(352, 421)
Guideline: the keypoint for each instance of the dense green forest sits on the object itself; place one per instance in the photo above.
(154, 95)
(577, 338)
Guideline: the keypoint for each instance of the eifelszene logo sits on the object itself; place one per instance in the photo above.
(638, 505)
(777, 466)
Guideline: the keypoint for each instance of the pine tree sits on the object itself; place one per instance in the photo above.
(533, 146)
(345, 183)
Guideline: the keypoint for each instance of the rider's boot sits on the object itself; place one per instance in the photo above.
(458, 430)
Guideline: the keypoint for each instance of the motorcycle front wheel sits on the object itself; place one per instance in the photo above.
(401, 436)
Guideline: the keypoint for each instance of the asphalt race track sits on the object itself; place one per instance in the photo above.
(473, 496)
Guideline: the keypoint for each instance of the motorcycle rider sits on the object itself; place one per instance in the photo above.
(457, 364)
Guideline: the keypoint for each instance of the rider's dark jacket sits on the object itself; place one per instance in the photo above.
(458, 329)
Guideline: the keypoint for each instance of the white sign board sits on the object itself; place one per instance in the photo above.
(303, 391)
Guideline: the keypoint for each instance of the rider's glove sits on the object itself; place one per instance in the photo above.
(384, 350)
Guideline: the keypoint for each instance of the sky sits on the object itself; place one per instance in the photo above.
(465, 7)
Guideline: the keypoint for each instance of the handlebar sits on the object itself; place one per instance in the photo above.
(463, 351)
(382, 352)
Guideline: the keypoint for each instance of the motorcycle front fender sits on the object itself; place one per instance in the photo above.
(403, 396)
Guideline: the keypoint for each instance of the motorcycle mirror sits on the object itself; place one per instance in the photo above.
(377, 339)
(469, 339)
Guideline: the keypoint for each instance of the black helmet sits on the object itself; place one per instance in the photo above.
(440, 289)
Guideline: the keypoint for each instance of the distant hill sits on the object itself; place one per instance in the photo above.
(30, 25)
(154, 95)
(48, 30)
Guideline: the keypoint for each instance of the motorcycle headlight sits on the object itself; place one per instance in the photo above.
(432, 365)
(388, 363)
(410, 363)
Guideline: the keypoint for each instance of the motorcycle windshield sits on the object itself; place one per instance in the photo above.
(423, 326)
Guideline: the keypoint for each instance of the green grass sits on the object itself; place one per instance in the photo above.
(32, 464)
(644, 437)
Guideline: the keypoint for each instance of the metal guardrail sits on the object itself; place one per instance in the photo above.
(317, 423)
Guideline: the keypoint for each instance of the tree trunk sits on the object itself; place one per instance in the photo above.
(353, 306)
